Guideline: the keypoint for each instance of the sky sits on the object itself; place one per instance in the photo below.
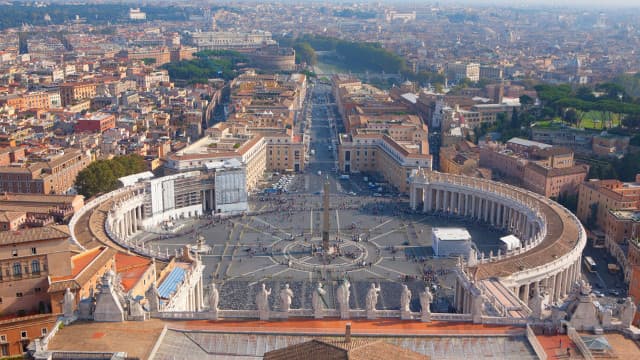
(555, 3)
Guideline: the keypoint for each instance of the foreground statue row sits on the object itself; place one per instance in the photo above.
(319, 301)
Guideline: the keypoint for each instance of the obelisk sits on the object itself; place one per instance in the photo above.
(325, 214)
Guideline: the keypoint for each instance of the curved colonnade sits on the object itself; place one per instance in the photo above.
(552, 237)
(549, 259)
(112, 219)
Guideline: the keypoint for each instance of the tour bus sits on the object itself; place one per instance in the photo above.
(590, 264)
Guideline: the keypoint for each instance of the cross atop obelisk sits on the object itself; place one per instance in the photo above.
(325, 214)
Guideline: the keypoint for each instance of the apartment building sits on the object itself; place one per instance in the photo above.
(542, 168)
(376, 152)
(27, 258)
(459, 71)
(221, 144)
(17, 333)
(462, 158)
(96, 123)
(598, 197)
(71, 93)
(50, 174)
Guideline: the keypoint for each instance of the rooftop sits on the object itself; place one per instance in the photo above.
(205, 339)
(451, 234)
(34, 234)
(633, 215)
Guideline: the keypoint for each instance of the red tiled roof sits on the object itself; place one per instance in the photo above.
(131, 268)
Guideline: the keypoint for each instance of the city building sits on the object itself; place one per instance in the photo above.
(379, 153)
(48, 174)
(224, 40)
(27, 258)
(72, 93)
(136, 14)
(459, 71)
(547, 170)
(17, 333)
(96, 122)
(597, 197)
(274, 58)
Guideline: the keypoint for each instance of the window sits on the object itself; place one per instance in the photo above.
(19, 294)
(14, 252)
(23, 334)
(17, 269)
(37, 289)
(43, 331)
(33, 251)
(35, 267)
(3, 338)
(4, 349)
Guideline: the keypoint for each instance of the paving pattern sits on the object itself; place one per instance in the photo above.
(276, 246)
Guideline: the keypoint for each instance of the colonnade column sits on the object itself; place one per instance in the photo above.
(527, 291)
(551, 287)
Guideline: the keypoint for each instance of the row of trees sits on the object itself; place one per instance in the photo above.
(102, 176)
(355, 56)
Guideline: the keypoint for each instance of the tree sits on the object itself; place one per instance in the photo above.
(571, 116)
(102, 175)
(305, 53)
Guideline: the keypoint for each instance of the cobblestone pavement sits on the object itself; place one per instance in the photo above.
(275, 247)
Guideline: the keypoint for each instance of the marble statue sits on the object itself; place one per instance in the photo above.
(317, 301)
(262, 301)
(405, 298)
(214, 298)
(472, 257)
(425, 303)
(477, 307)
(536, 303)
(627, 312)
(343, 294)
(286, 295)
(585, 288)
(372, 299)
(68, 303)
(153, 303)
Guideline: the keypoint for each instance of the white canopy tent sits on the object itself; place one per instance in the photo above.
(511, 242)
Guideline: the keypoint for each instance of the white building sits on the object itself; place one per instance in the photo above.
(136, 14)
(460, 71)
(450, 241)
(230, 186)
(225, 40)
(172, 197)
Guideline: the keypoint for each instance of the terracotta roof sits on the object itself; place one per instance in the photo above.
(355, 349)
(38, 198)
(131, 268)
(8, 216)
(34, 234)
(85, 265)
